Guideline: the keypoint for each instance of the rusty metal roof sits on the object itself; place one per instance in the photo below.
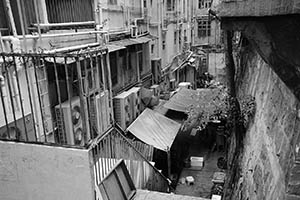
(155, 129)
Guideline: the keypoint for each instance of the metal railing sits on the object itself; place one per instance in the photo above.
(55, 97)
(109, 149)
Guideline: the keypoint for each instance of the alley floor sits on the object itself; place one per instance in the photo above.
(203, 178)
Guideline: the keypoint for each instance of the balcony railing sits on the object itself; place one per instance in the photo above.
(55, 97)
(112, 147)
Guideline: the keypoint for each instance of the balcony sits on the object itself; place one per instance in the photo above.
(57, 131)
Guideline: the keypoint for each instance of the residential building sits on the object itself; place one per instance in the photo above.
(61, 63)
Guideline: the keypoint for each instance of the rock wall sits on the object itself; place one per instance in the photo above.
(271, 142)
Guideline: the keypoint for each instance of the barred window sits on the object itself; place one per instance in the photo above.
(204, 4)
(204, 28)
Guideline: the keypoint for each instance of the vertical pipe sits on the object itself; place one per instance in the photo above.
(110, 86)
(22, 25)
(59, 97)
(4, 109)
(1, 43)
(81, 96)
(68, 91)
(37, 14)
(93, 95)
(39, 95)
(20, 97)
(10, 93)
(88, 98)
(29, 95)
(103, 72)
(11, 17)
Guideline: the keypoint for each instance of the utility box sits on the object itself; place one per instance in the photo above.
(197, 162)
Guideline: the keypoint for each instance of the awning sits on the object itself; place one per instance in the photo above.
(112, 48)
(185, 99)
(155, 129)
(124, 42)
(142, 39)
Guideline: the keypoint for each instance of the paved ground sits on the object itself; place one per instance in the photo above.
(203, 184)
(147, 195)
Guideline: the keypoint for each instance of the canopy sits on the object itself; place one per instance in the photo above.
(155, 129)
(185, 99)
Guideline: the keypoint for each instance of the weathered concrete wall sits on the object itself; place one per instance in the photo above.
(30, 171)
(271, 140)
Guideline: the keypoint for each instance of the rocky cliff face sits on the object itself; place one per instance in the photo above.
(271, 144)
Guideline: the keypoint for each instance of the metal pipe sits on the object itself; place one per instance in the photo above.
(4, 107)
(10, 95)
(37, 18)
(20, 97)
(1, 43)
(22, 25)
(72, 48)
(68, 91)
(59, 96)
(29, 94)
(39, 95)
(56, 35)
(49, 25)
(11, 17)
(110, 86)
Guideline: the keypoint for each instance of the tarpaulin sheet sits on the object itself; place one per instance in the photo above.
(185, 99)
(155, 129)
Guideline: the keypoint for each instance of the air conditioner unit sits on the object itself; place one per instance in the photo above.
(69, 122)
(102, 112)
(156, 69)
(123, 109)
(18, 132)
(156, 90)
(138, 106)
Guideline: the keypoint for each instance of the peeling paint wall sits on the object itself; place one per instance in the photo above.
(30, 171)
(270, 141)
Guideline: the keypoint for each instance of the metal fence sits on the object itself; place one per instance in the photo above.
(55, 97)
(109, 149)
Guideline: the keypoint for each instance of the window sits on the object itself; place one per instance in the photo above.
(204, 4)
(113, 2)
(175, 37)
(203, 28)
(170, 5)
(163, 44)
(152, 48)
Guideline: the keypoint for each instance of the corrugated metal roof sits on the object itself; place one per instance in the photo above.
(112, 48)
(155, 129)
(142, 39)
(124, 42)
(185, 99)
